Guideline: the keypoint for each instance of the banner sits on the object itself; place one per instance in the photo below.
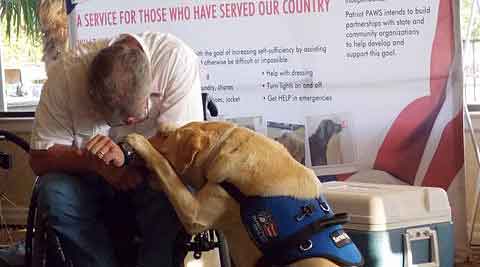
(360, 90)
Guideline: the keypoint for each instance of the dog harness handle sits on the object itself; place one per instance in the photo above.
(299, 238)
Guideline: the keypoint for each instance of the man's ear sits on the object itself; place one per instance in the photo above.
(193, 142)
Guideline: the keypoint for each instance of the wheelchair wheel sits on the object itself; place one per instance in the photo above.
(42, 246)
(20, 142)
(225, 260)
(40, 241)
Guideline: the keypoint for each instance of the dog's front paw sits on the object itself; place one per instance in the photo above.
(139, 143)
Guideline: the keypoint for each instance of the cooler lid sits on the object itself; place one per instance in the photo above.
(378, 207)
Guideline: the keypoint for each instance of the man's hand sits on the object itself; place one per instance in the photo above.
(108, 160)
(105, 149)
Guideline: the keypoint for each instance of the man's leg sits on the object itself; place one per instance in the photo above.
(72, 206)
(158, 225)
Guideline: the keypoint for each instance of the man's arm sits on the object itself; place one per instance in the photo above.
(62, 158)
(53, 136)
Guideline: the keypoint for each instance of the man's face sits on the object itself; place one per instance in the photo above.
(120, 117)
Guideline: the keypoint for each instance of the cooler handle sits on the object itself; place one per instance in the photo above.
(416, 234)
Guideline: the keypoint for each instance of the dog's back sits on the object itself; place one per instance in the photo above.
(258, 165)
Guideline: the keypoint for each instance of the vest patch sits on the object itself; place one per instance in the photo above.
(264, 226)
(340, 238)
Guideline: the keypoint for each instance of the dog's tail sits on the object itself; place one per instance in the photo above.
(53, 25)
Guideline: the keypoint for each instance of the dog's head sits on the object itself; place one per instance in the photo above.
(188, 147)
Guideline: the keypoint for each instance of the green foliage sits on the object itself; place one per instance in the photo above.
(19, 32)
(20, 15)
(19, 49)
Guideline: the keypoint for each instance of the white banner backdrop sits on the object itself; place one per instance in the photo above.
(361, 90)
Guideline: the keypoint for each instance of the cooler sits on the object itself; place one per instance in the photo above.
(396, 226)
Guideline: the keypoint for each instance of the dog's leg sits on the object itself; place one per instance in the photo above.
(198, 212)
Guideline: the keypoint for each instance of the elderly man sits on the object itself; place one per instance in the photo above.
(93, 97)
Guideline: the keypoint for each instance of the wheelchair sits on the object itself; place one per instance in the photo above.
(43, 247)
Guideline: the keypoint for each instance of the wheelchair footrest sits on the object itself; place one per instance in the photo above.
(202, 242)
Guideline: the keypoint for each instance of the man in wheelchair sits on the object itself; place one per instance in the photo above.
(93, 97)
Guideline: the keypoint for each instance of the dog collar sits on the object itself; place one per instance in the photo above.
(216, 147)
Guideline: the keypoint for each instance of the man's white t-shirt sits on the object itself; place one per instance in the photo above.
(65, 114)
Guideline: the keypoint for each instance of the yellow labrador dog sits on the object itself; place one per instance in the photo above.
(248, 186)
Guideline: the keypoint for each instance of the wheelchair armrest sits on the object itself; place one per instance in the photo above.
(9, 136)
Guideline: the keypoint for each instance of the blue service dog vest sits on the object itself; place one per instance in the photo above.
(286, 229)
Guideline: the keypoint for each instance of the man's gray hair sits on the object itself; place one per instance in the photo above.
(120, 80)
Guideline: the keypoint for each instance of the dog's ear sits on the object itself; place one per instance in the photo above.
(192, 142)
(164, 130)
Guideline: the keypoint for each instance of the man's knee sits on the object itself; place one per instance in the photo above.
(54, 188)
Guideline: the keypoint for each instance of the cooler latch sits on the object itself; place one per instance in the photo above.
(417, 235)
